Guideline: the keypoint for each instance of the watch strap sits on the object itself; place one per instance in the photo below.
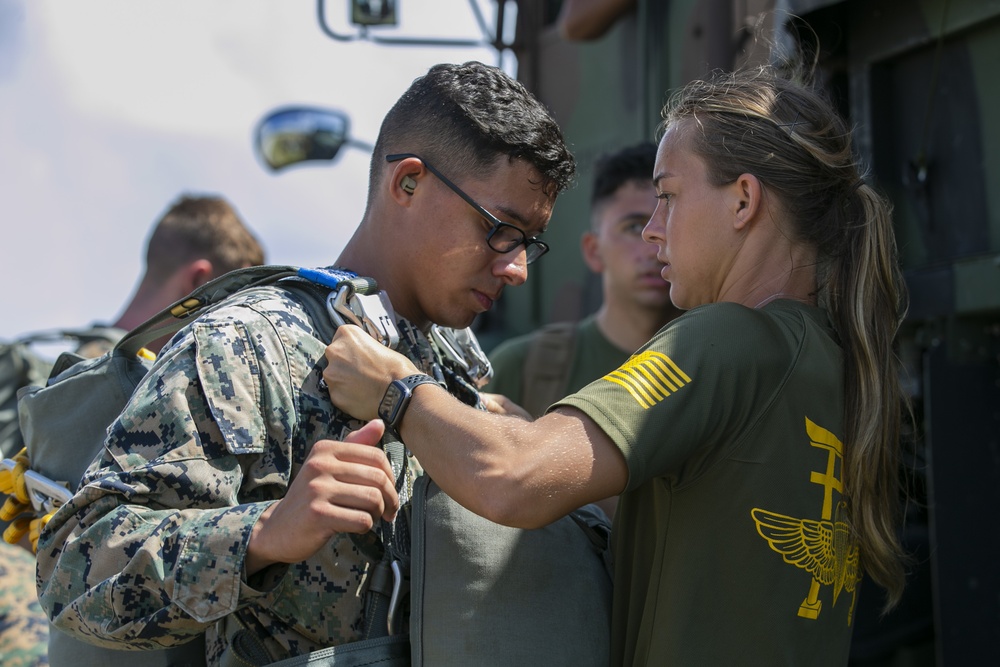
(397, 398)
(417, 379)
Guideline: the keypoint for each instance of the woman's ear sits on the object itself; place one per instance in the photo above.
(747, 199)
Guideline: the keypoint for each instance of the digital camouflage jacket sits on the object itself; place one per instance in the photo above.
(150, 551)
(24, 629)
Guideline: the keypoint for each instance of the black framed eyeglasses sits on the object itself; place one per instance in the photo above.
(503, 237)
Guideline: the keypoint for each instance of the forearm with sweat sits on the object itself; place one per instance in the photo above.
(513, 472)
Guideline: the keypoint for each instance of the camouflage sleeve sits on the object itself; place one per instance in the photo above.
(150, 551)
(24, 629)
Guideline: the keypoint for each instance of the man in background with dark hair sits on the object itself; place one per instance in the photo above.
(537, 369)
(636, 300)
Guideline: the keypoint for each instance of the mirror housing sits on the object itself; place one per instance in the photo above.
(293, 135)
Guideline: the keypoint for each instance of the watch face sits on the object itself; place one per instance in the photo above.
(388, 409)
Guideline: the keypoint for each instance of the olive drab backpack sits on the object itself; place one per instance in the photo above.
(448, 588)
(21, 365)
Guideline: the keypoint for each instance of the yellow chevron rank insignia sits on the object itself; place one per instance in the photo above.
(649, 377)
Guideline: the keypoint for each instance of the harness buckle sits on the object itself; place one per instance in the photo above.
(371, 312)
(462, 347)
(46, 496)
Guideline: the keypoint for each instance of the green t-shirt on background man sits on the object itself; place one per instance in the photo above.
(592, 355)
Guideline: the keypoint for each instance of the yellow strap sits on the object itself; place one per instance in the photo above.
(11, 508)
(6, 481)
(12, 482)
(17, 507)
(17, 529)
(36, 530)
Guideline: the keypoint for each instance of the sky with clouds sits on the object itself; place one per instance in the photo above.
(110, 109)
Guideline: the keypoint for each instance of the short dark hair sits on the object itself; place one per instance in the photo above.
(462, 117)
(195, 227)
(613, 170)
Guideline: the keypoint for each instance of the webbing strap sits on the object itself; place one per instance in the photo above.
(31, 502)
(20, 511)
(177, 315)
(385, 578)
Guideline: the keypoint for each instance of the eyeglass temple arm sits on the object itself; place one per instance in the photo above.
(396, 157)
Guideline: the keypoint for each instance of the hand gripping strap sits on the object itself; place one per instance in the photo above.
(47, 417)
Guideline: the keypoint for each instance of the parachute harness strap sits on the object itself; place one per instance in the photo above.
(31, 499)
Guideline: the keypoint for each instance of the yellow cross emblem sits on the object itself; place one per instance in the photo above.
(824, 548)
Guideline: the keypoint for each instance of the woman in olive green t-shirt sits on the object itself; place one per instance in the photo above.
(755, 439)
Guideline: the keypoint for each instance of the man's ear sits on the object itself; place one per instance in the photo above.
(747, 199)
(590, 246)
(196, 274)
(404, 180)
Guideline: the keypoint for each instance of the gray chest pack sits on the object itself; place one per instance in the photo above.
(21, 366)
(448, 588)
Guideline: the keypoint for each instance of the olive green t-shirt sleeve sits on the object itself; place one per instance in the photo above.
(684, 399)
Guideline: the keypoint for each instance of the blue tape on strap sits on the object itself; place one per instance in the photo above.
(328, 277)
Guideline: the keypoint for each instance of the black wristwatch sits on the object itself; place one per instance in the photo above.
(397, 398)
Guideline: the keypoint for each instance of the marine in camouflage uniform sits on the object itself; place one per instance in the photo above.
(219, 428)
(24, 628)
(183, 525)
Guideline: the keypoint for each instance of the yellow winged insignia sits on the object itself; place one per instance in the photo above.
(824, 549)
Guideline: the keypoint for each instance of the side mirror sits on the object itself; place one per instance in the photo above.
(293, 135)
